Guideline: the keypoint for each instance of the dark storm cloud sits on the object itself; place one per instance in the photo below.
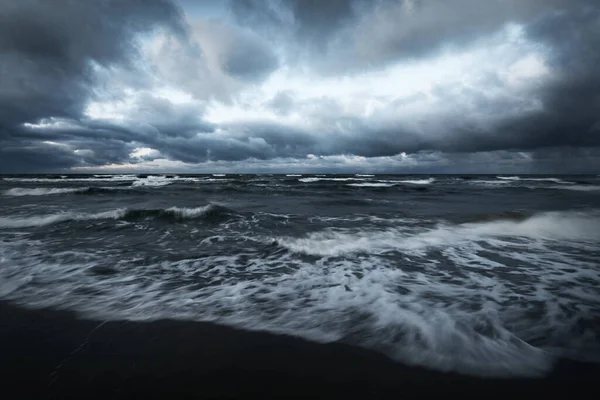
(240, 54)
(48, 52)
(361, 35)
(57, 56)
(352, 35)
(571, 102)
(48, 48)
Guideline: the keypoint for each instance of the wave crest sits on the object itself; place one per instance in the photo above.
(17, 192)
(549, 226)
(210, 212)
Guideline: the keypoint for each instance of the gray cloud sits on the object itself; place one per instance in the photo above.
(59, 56)
(49, 49)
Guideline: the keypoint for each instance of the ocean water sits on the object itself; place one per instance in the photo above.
(485, 275)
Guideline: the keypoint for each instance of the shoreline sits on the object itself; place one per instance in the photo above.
(49, 353)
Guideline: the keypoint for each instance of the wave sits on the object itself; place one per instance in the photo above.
(578, 188)
(18, 192)
(135, 180)
(210, 212)
(42, 220)
(364, 175)
(41, 191)
(412, 317)
(153, 180)
(465, 309)
(104, 190)
(490, 182)
(371, 184)
(582, 226)
(315, 179)
(418, 181)
(75, 178)
(517, 178)
(293, 175)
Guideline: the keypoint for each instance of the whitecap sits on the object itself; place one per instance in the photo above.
(153, 180)
(42, 220)
(75, 178)
(578, 188)
(314, 179)
(418, 181)
(552, 225)
(42, 191)
(184, 212)
(517, 178)
(370, 184)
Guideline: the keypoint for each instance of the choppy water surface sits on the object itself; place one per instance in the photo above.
(489, 275)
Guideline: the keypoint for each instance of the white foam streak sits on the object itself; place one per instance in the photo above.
(190, 212)
(33, 221)
(551, 226)
(371, 184)
(95, 178)
(418, 181)
(579, 188)
(41, 191)
(517, 178)
(153, 181)
(314, 179)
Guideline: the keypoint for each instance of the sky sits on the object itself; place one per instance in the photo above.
(300, 86)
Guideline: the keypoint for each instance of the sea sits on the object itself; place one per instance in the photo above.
(488, 275)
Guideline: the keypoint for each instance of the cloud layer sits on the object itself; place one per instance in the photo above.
(300, 85)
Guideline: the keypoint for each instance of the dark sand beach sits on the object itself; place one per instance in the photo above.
(52, 354)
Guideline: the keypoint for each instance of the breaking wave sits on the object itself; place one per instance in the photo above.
(553, 226)
(517, 178)
(76, 178)
(371, 184)
(578, 188)
(319, 179)
(456, 312)
(211, 212)
(41, 191)
(418, 181)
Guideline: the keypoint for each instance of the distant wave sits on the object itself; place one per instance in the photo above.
(141, 180)
(371, 184)
(418, 181)
(488, 182)
(75, 178)
(315, 179)
(18, 192)
(517, 178)
(153, 181)
(41, 191)
(211, 212)
(578, 188)
(42, 220)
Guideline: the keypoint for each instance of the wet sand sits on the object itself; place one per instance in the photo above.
(55, 354)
